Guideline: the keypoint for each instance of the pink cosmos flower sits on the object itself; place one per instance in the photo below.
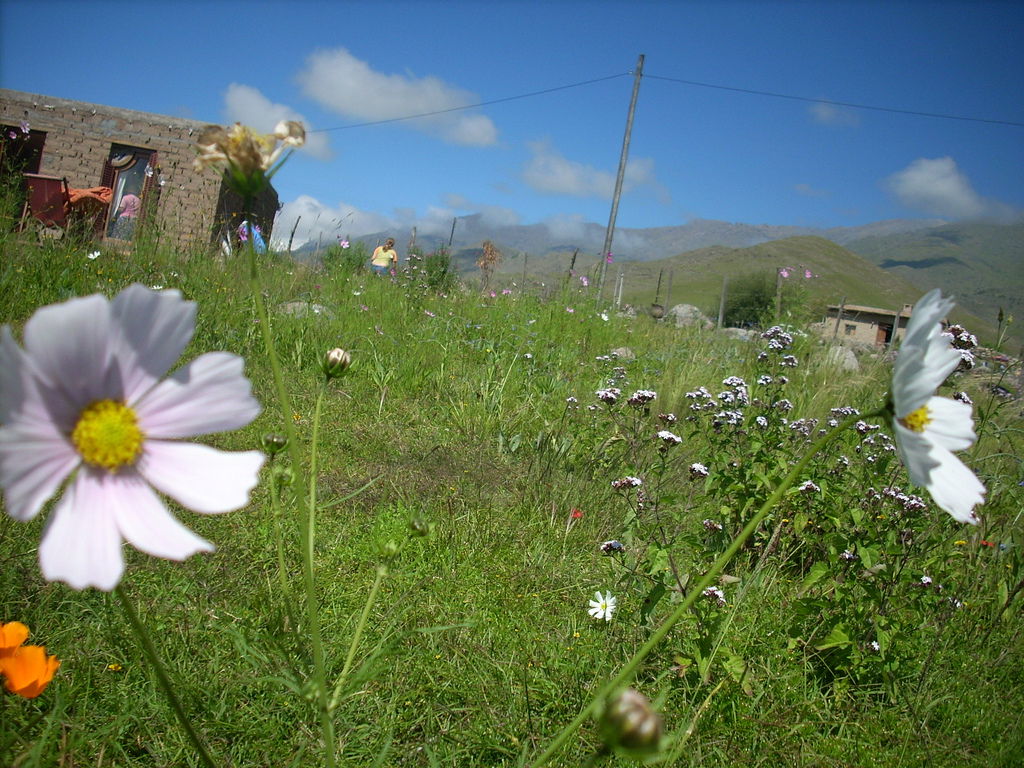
(84, 409)
(608, 258)
(784, 272)
(808, 274)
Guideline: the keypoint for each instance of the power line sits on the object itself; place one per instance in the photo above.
(837, 103)
(472, 106)
(715, 86)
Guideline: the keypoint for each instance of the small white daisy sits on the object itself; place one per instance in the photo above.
(602, 607)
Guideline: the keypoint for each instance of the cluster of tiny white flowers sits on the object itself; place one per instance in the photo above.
(715, 595)
(627, 482)
(698, 470)
(959, 338)
(642, 397)
(609, 395)
(711, 525)
(808, 486)
(732, 418)
(782, 338)
(843, 411)
(803, 426)
(669, 438)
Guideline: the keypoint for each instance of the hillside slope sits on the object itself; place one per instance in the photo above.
(839, 274)
(981, 263)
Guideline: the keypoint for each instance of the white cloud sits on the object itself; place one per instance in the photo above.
(247, 105)
(827, 113)
(567, 226)
(351, 88)
(317, 221)
(808, 191)
(490, 215)
(937, 186)
(324, 223)
(550, 172)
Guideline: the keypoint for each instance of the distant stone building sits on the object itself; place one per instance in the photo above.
(91, 145)
(855, 324)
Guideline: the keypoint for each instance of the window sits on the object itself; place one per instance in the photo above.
(850, 329)
(129, 172)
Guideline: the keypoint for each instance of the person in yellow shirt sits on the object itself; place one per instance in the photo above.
(384, 257)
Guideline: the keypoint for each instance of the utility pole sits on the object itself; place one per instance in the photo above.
(721, 301)
(610, 231)
(452, 235)
(839, 316)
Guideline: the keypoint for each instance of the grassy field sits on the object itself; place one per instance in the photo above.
(473, 419)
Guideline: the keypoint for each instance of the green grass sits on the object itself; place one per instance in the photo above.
(479, 648)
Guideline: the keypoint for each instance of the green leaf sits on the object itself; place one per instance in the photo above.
(651, 601)
(818, 570)
(738, 671)
(837, 638)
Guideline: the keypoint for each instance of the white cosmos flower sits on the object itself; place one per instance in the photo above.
(602, 607)
(83, 403)
(929, 428)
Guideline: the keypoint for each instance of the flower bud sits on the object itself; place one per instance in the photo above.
(274, 442)
(336, 362)
(630, 725)
(420, 527)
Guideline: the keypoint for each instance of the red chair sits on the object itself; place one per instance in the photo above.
(47, 201)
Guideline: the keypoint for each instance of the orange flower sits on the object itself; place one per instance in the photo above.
(12, 634)
(28, 670)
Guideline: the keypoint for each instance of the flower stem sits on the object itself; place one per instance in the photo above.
(627, 671)
(382, 571)
(161, 675)
(276, 481)
(309, 580)
(301, 498)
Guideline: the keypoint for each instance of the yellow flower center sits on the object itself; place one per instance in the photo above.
(107, 435)
(917, 420)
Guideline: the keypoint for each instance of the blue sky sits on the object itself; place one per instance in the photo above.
(696, 152)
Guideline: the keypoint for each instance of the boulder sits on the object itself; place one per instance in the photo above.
(623, 353)
(742, 334)
(842, 358)
(304, 309)
(687, 315)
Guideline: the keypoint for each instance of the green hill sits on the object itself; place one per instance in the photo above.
(981, 263)
(695, 277)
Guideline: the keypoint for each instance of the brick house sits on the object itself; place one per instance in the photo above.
(91, 145)
(855, 324)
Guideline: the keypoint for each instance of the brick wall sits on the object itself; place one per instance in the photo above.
(79, 137)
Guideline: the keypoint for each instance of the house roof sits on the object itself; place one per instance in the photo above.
(859, 309)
